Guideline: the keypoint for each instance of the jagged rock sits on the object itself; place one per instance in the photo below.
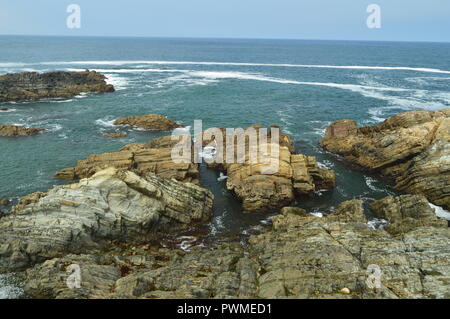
(14, 131)
(319, 258)
(413, 148)
(154, 122)
(111, 205)
(350, 211)
(406, 212)
(115, 135)
(28, 86)
(152, 157)
(261, 190)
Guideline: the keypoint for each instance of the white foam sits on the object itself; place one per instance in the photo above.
(106, 122)
(222, 177)
(370, 181)
(119, 83)
(8, 290)
(317, 214)
(350, 67)
(377, 223)
(440, 212)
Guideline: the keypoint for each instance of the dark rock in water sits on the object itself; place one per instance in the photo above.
(4, 201)
(14, 131)
(412, 148)
(4, 109)
(152, 122)
(31, 86)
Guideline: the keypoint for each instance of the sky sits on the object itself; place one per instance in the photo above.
(401, 20)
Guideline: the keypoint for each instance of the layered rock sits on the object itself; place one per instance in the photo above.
(31, 86)
(262, 187)
(14, 131)
(413, 148)
(153, 122)
(152, 157)
(406, 212)
(111, 205)
(301, 256)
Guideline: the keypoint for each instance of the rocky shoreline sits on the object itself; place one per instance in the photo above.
(32, 86)
(121, 203)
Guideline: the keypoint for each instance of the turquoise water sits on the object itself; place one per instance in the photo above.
(301, 86)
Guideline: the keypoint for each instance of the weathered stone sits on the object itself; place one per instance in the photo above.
(406, 212)
(115, 135)
(413, 148)
(152, 157)
(112, 204)
(14, 131)
(28, 86)
(270, 179)
(154, 122)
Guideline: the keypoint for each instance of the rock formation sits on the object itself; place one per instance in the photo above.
(259, 190)
(115, 135)
(299, 257)
(14, 131)
(412, 148)
(152, 157)
(31, 86)
(111, 205)
(153, 122)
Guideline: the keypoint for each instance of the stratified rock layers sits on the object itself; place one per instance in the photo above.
(413, 148)
(111, 205)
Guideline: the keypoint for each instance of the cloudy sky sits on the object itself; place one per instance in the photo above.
(403, 20)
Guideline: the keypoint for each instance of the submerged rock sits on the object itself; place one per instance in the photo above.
(154, 122)
(152, 157)
(31, 86)
(14, 131)
(413, 148)
(115, 135)
(111, 205)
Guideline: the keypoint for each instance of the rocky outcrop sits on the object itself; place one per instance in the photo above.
(152, 157)
(263, 190)
(153, 122)
(111, 205)
(31, 86)
(412, 148)
(115, 135)
(14, 131)
(301, 256)
(406, 212)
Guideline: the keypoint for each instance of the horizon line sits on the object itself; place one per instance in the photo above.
(214, 38)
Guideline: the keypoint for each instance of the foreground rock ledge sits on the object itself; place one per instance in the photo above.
(14, 131)
(31, 86)
(111, 205)
(412, 148)
(299, 257)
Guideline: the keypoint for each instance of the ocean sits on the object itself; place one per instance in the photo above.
(302, 86)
